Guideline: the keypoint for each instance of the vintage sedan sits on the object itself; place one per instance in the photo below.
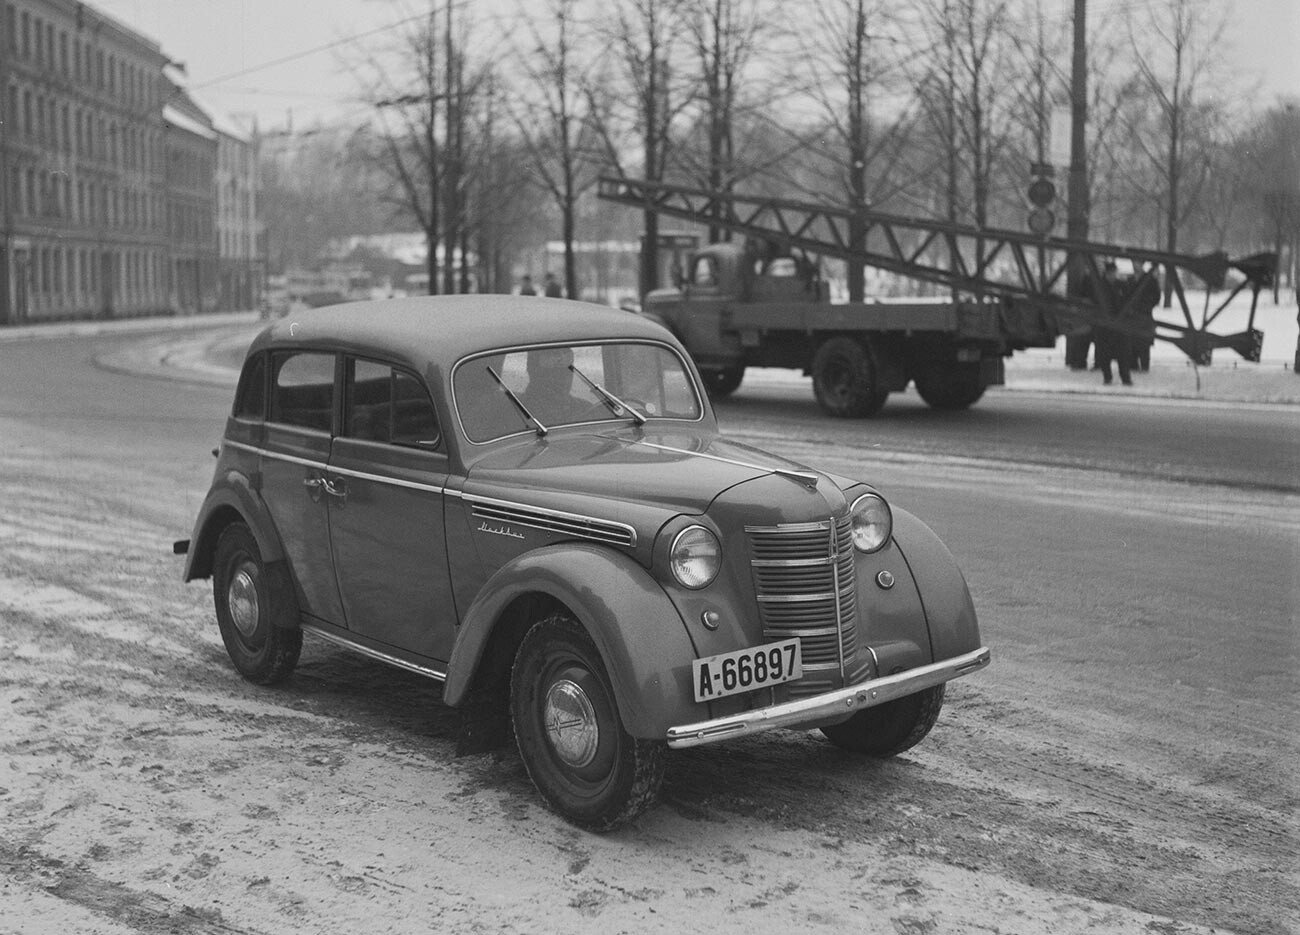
(529, 501)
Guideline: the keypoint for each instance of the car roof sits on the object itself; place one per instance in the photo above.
(439, 330)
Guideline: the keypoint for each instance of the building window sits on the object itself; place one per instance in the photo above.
(63, 52)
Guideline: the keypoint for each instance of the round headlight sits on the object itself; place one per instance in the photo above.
(695, 557)
(872, 522)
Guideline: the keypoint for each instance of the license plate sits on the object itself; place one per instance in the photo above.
(747, 669)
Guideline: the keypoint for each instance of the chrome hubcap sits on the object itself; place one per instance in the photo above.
(571, 723)
(241, 598)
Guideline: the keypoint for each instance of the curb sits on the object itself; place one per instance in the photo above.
(79, 329)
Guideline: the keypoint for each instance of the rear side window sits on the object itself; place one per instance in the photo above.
(389, 405)
(302, 389)
(250, 398)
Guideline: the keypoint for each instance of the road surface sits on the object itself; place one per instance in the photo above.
(1127, 764)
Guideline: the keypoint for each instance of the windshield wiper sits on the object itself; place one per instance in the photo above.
(615, 404)
(519, 404)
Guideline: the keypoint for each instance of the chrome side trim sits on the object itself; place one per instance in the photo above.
(607, 531)
(427, 671)
(391, 481)
(345, 472)
(832, 704)
(277, 456)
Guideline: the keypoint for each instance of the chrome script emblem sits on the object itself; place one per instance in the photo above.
(500, 531)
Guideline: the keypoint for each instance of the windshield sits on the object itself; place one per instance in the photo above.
(548, 392)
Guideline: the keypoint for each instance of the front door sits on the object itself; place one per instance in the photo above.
(294, 460)
(706, 306)
(390, 553)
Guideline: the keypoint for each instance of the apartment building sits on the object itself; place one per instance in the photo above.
(81, 161)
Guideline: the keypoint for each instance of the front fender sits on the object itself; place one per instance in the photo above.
(233, 499)
(640, 635)
(945, 598)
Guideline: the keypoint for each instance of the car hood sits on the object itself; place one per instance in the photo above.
(683, 472)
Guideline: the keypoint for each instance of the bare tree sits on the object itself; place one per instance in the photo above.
(409, 147)
(553, 116)
(1174, 44)
(848, 57)
(724, 35)
(644, 38)
(1271, 154)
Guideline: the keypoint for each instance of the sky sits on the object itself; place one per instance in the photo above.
(228, 46)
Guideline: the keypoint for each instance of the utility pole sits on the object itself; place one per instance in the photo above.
(9, 122)
(1079, 208)
(1076, 223)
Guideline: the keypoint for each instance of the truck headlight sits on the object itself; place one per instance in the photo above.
(872, 522)
(695, 557)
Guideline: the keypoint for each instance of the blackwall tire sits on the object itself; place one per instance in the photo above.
(720, 384)
(572, 742)
(889, 729)
(257, 612)
(951, 386)
(845, 379)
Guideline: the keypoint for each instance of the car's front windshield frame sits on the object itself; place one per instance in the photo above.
(538, 420)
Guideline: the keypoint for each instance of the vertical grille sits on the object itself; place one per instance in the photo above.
(803, 574)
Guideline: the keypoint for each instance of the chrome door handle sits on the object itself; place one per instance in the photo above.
(334, 488)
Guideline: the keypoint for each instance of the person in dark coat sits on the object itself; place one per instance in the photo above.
(1146, 296)
(1112, 344)
(526, 286)
(552, 287)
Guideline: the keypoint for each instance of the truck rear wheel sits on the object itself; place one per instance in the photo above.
(721, 383)
(845, 379)
(951, 385)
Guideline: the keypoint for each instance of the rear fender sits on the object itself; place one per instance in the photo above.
(231, 500)
(639, 633)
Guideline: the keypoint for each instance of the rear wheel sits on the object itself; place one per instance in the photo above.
(586, 766)
(257, 612)
(890, 728)
(950, 385)
(846, 380)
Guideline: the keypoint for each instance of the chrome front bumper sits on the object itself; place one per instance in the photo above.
(827, 706)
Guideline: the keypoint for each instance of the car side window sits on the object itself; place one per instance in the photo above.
(389, 405)
(302, 391)
(250, 398)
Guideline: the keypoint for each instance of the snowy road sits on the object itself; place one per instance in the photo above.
(1126, 765)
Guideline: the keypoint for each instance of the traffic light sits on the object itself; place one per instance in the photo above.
(1042, 194)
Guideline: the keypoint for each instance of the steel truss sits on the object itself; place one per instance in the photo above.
(980, 263)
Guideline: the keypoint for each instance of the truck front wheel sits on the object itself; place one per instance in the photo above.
(845, 379)
(950, 385)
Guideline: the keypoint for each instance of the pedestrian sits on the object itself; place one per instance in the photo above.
(526, 286)
(1145, 298)
(552, 287)
(1113, 344)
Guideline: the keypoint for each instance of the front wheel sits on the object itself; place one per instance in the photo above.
(890, 728)
(950, 386)
(846, 379)
(586, 766)
(257, 612)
